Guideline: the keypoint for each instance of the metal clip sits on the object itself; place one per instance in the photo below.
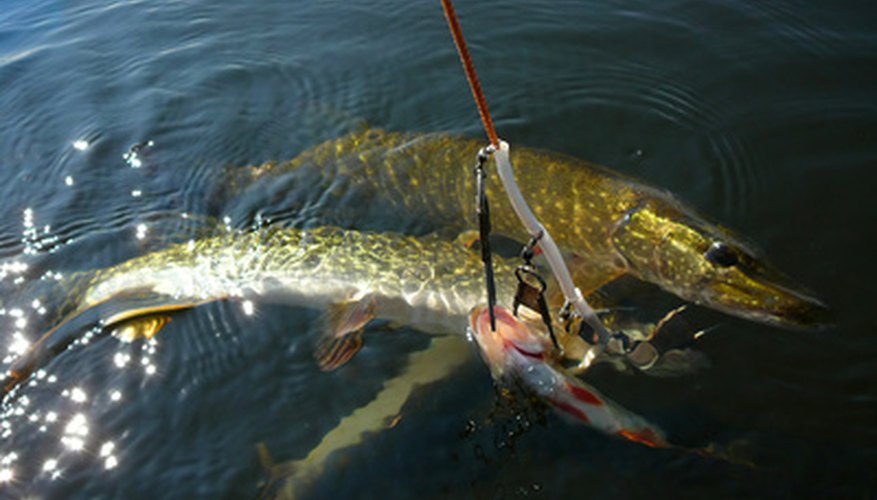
(529, 250)
(533, 297)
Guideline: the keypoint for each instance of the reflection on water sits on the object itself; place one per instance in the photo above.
(120, 120)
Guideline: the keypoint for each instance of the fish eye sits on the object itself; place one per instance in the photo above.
(721, 255)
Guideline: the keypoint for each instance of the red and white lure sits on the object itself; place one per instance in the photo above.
(519, 351)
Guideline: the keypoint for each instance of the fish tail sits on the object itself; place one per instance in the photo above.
(589, 406)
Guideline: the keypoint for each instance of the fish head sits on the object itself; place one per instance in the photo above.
(665, 244)
(512, 338)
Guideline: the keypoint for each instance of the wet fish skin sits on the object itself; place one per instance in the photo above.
(426, 282)
(519, 351)
(614, 224)
(516, 351)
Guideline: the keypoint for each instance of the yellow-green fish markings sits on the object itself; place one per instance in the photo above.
(428, 283)
(614, 225)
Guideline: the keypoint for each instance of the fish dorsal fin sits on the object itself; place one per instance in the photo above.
(341, 335)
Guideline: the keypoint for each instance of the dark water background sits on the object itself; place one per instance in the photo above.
(763, 114)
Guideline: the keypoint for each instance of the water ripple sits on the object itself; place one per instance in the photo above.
(640, 89)
(787, 21)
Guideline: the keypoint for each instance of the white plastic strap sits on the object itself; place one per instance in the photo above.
(546, 243)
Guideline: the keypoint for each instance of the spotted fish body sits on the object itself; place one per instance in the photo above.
(426, 282)
(614, 224)
(310, 267)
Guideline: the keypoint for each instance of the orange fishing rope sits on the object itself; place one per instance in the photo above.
(460, 42)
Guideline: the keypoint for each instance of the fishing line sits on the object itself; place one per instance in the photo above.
(469, 68)
(501, 156)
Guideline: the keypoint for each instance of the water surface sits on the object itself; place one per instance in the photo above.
(761, 114)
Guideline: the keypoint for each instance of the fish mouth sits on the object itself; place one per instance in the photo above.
(804, 314)
(479, 320)
(473, 317)
(511, 340)
(491, 345)
(674, 248)
(773, 302)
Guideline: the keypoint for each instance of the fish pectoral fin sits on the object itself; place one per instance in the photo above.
(333, 353)
(341, 336)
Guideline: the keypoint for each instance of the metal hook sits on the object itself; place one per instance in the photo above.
(529, 250)
(533, 298)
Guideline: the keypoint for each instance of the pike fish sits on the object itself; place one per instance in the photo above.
(426, 282)
(614, 224)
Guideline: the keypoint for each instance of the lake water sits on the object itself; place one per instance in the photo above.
(763, 114)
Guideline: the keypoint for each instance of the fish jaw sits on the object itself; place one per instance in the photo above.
(515, 349)
(502, 347)
(670, 246)
(751, 295)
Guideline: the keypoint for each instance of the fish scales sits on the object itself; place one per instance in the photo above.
(614, 224)
(299, 258)
(427, 282)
